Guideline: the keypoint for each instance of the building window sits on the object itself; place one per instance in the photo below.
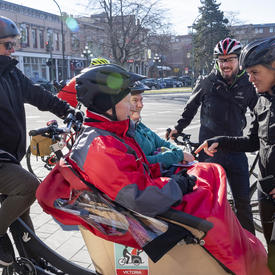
(75, 42)
(35, 68)
(41, 39)
(24, 36)
(34, 38)
(56, 39)
(271, 29)
(50, 37)
(259, 30)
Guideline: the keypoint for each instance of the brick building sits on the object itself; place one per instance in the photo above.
(41, 41)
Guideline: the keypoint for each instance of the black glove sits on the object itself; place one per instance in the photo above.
(267, 184)
(185, 182)
(78, 115)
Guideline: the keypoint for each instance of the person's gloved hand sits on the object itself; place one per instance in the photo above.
(79, 115)
(185, 182)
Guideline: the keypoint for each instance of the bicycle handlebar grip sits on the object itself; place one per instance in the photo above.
(40, 131)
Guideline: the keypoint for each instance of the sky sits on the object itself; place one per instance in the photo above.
(181, 13)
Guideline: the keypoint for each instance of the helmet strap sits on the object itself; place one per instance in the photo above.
(114, 116)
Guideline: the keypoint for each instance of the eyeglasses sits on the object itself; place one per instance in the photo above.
(9, 45)
(229, 60)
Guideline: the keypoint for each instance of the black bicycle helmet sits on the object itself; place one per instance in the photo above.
(227, 46)
(102, 87)
(8, 28)
(138, 88)
(258, 52)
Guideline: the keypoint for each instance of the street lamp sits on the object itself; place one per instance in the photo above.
(63, 42)
(156, 60)
(87, 54)
(193, 50)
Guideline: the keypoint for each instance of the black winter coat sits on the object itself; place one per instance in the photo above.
(261, 135)
(223, 107)
(15, 90)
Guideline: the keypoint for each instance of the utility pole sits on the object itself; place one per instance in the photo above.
(49, 48)
(63, 42)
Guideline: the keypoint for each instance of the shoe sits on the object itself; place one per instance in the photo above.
(6, 250)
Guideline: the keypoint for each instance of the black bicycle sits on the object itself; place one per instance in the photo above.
(253, 179)
(62, 138)
(35, 257)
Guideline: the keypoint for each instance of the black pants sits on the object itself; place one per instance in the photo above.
(236, 168)
(20, 186)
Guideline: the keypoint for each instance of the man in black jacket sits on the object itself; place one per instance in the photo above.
(15, 182)
(258, 58)
(224, 96)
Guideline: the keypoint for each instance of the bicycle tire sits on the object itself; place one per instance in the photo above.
(253, 196)
(254, 202)
(40, 166)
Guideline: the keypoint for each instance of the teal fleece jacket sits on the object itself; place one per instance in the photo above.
(156, 149)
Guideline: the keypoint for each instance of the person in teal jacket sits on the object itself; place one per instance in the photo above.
(156, 149)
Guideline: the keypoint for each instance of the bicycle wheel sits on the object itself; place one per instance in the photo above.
(254, 202)
(40, 166)
(253, 196)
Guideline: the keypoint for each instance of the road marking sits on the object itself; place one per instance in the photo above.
(32, 117)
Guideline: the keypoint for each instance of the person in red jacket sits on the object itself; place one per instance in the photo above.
(107, 142)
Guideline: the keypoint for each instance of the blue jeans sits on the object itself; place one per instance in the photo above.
(235, 165)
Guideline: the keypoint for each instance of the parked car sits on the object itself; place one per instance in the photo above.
(45, 84)
(153, 83)
(186, 80)
(172, 82)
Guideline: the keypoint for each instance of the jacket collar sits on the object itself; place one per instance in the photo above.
(120, 128)
(6, 63)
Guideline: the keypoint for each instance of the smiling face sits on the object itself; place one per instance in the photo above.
(262, 78)
(137, 105)
(228, 66)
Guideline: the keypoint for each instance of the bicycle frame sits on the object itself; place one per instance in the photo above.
(35, 254)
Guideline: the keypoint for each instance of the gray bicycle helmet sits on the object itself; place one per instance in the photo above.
(102, 87)
(8, 28)
(258, 52)
(138, 88)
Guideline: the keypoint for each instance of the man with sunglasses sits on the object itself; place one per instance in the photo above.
(17, 184)
(224, 96)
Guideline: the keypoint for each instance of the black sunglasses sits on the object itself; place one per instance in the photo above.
(9, 45)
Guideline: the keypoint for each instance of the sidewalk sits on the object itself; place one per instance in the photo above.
(69, 244)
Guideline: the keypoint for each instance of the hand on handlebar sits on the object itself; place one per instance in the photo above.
(210, 151)
(171, 134)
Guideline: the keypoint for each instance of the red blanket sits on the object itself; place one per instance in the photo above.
(227, 241)
(234, 246)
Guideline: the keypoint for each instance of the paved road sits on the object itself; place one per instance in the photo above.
(160, 112)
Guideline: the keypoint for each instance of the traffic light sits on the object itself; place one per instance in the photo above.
(49, 63)
(48, 46)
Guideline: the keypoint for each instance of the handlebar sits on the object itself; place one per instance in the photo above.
(53, 129)
(191, 146)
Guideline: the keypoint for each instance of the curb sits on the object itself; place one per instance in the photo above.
(170, 90)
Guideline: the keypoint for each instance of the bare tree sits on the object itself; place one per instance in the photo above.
(128, 24)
